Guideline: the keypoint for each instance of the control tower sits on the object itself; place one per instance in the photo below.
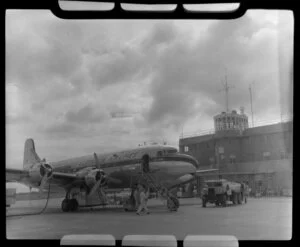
(231, 122)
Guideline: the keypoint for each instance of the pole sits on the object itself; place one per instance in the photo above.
(250, 89)
(226, 89)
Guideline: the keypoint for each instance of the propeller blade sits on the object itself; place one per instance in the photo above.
(97, 161)
(43, 182)
(47, 172)
(95, 187)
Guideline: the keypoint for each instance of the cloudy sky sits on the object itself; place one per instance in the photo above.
(82, 86)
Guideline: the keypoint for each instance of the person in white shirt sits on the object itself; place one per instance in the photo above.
(228, 192)
(143, 201)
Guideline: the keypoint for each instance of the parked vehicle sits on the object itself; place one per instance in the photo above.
(222, 191)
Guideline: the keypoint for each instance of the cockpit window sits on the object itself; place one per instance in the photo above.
(171, 151)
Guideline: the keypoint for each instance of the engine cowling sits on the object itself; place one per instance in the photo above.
(38, 171)
(93, 177)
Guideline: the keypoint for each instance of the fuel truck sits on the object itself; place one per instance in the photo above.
(221, 192)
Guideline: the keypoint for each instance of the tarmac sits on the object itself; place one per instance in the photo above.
(259, 219)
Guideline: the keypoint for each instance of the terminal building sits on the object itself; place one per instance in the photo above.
(262, 155)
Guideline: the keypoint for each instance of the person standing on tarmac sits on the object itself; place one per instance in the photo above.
(143, 201)
(136, 195)
(228, 192)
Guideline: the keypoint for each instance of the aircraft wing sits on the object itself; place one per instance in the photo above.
(204, 171)
(187, 178)
(15, 175)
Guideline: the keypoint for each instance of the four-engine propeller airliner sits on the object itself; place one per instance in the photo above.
(90, 173)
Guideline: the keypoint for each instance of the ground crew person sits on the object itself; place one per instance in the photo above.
(143, 201)
(136, 195)
(228, 192)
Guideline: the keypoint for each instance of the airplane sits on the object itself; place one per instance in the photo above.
(89, 174)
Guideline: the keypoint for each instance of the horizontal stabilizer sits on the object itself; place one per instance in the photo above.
(15, 175)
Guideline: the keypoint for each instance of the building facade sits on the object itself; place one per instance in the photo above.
(260, 155)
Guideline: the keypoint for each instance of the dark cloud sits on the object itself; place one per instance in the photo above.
(9, 119)
(120, 66)
(39, 55)
(61, 130)
(187, 74)
(162, 33)
(87, 114)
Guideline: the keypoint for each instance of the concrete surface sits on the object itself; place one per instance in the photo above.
(259, 219)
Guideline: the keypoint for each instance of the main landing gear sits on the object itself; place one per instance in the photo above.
(69, 204)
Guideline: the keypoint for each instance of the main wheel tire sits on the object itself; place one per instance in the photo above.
(65, 205)
(74, 204)
(204, 202)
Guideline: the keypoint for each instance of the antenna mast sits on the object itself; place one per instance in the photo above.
(250, 90)
(226, 89)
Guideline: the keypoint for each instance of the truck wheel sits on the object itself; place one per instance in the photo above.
(239, 198)
(223, 203)
(234, 198)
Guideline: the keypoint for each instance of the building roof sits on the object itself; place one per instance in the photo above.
(279, 127)
(196, 139)
(260, 130)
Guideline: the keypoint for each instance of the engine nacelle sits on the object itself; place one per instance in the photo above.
(93, 177)
(38, 171)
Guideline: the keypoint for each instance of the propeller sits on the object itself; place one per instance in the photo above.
(101, 177)
(46, 173)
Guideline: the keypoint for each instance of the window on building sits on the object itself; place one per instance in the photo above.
(266, 139)
(186, 148)
(232, 159)
(283, 155)
(266, 155)
(250, 157)
(222, 156)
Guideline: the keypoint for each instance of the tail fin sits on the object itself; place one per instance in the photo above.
(30, 156)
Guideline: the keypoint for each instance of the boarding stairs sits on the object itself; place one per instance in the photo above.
(167, 198)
